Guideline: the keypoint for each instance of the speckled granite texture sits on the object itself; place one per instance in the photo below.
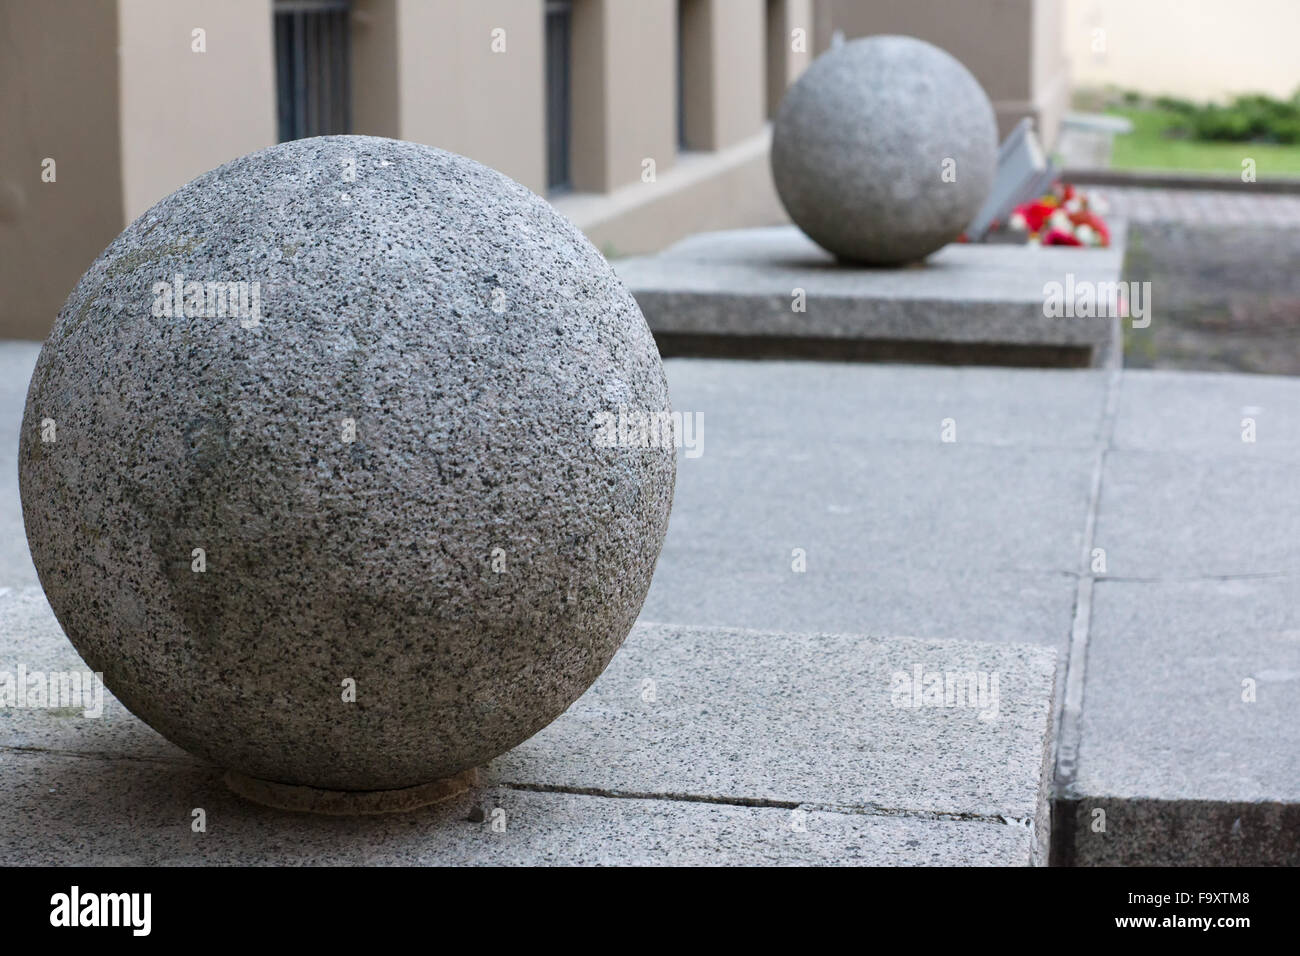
(388, 464)
(860, 142)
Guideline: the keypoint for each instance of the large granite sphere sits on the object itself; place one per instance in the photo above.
(884, 150)
(383, 475)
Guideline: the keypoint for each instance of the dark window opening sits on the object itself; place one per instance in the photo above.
(778, 52)
(559, 23)
(681, 74)
(313, 78)
(693, 57)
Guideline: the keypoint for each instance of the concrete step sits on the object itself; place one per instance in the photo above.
(697, 745)
(995, 536)
(1188, 740)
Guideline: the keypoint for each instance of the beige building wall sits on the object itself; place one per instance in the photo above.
(725, 73)
(58, 101)
(132, 103)
(184, 111)
(1196, 49)
(730, 74)
(739, 81)
(376, 100)
(1015, 48)
(823, 25)
(117, 94)
(728, 189)
(456, 93)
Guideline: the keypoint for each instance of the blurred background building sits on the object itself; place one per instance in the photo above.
(1198, 49)
(641, 120)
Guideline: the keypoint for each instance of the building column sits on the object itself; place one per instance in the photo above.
(471, 79)
(724, 44)
(197, 90)
(623, 91)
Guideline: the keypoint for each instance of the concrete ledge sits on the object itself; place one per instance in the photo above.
(57, 809)
(1156, 832)
(982, 538)
(1189, 747)
(790, 720)
(697, 745)
(743, 284)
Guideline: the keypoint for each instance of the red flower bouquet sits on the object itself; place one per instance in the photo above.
(1064, 217)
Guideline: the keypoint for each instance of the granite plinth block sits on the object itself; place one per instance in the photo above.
(772, 292)
(747, 748)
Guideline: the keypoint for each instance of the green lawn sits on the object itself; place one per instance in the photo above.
(1148, 148)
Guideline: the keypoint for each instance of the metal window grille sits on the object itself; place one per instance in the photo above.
(313, 76)
(559, 21)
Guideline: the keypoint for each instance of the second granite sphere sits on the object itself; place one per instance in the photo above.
(308, 468)
(884, 150)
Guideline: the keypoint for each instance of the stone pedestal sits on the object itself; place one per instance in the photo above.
(772, 292)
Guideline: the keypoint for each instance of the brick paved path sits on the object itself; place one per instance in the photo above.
(1201, 207)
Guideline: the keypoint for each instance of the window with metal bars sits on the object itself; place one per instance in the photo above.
(312, 74)
(559, 23)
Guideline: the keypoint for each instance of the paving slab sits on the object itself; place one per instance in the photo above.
(1190, 734)
(897, 530)
(782, 402)
(790, 719)
(1164, 516)
(706, 587)
(741, 283)
(915, 505)
(1205, 414)
(695, 746)
(1185, 508)
(31, 637)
